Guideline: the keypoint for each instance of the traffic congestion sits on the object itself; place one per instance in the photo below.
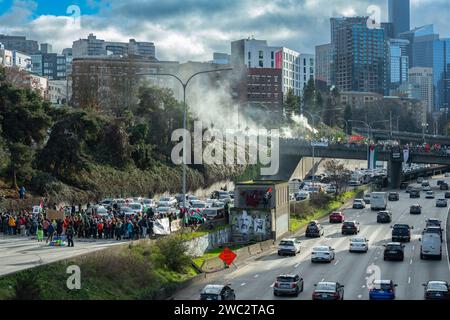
(387, 245)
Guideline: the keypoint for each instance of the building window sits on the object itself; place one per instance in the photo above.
(249, 55)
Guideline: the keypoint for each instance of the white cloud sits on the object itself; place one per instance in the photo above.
(193, 29)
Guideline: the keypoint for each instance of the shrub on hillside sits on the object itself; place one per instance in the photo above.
(27, 286)
(172, 251)
(320, 200)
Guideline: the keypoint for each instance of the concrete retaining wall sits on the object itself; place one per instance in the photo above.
(197, 247)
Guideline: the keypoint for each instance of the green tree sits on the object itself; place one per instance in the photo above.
(24, 122)
(309, 95)
(348, 115)
(291, 104)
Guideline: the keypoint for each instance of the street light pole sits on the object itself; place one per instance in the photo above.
(368, 138)
(184, 85)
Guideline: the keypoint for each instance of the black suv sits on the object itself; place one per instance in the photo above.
(384, 217)
(447, 195)
(394, 196)
(394, 251)
(401, 233)
(314, 229)
(414, 193)
(350, 227)
(415, 209)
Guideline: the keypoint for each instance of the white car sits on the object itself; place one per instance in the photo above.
(426, 188)
(331, 189)
(429, 195)
(149, 203)
(289, 247)
(322, 253)
(167, 202)
(101, 211)
(447, 174)
(302, 195)
(137, 208)
(359, 244)
(127, 211)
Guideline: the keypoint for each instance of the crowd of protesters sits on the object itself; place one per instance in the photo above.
(87, 224)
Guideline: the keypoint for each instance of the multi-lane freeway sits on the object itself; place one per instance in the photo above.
(20, 253)
(354, 270)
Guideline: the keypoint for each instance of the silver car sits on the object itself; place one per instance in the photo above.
(359, 244)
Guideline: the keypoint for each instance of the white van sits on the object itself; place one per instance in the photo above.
(378, 201)
(431, 246)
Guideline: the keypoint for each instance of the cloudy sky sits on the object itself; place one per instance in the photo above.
(193, 29)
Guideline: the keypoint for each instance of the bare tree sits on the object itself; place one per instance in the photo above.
(338, 174)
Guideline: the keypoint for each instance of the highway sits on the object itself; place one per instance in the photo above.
(255, 280)
(20, 253)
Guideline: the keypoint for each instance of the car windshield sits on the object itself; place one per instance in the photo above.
(393, 247)
(286, 243)
(135, 206)
(358, 240)
(209, 296)
(402, 231)
(210, 212)
(325, 286)
(437, 286)
(357, 201)
(382, 286)
(349, 224)
(320, 249)
(285, 279)
(164, 199)
(199, 205)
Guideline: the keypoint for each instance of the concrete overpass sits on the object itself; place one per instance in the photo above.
(292, 151)
(404, 136)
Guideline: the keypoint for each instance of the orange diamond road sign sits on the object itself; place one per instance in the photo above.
(227, 256)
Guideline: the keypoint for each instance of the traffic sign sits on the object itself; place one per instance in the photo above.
(227, 256)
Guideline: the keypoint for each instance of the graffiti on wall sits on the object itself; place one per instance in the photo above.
(251, 222)
(256, 198)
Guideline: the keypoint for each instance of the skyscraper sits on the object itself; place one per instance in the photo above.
(398, 62)
(359, 56)
(324, 57)
(399, 15)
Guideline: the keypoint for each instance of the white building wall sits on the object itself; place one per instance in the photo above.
(297, 68)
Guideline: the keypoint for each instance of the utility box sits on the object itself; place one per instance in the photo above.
(260, 212)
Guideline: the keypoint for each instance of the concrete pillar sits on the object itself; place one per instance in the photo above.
(395, 174)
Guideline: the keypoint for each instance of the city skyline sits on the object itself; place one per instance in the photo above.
(183, 31)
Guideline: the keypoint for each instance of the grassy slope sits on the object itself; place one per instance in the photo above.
(126, 274)
(296, 224)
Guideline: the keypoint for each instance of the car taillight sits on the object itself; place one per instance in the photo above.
(276, 285)
(293, 285)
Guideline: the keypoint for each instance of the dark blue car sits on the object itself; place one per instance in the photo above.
(382, 290)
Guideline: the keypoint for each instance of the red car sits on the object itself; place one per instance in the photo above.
(337, 217)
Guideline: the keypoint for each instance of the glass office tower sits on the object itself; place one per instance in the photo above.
(399, 16)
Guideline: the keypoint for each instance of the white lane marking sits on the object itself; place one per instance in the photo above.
(411, 261)
(256, 275)
(336, 263)
(359, 296)
(376, 258)
(363, 287)
(323, 279)
(243, 284)
(409, 280)
(297, 265)
(413, 248)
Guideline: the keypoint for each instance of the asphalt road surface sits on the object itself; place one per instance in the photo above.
(354, 270)
(20, 253)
